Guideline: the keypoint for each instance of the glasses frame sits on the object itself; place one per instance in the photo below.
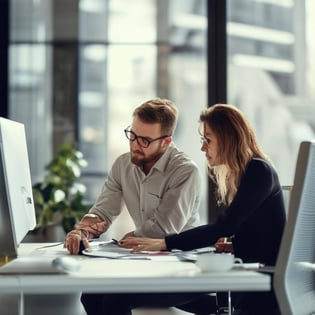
(204, 141)
(127, 132)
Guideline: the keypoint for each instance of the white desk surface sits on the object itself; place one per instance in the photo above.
(118, 275)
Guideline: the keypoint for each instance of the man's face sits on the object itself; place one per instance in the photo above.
(147, 157)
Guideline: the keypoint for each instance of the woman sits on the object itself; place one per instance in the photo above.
(249, 187)
(254, 218)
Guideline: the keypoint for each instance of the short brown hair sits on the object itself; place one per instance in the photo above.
(157, 110)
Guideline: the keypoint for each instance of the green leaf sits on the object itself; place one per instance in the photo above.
(60, 191)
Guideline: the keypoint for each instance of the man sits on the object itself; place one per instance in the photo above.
(159, 185)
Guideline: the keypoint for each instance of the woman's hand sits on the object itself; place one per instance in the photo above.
(223, 245)
(139, 244)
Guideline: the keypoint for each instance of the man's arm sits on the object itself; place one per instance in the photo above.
(99, 218)
(91, 226)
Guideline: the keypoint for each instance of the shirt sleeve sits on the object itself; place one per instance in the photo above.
(178, 207)
(108, 204)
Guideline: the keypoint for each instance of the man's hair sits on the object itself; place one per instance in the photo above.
(161, 111)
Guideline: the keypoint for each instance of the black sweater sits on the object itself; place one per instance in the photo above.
(255, 218)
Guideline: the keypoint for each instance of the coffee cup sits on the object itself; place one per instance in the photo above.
(213, 262)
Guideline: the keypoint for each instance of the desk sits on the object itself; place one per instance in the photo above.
(124, 276)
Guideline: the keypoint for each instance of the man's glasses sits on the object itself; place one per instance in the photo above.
(142, 141)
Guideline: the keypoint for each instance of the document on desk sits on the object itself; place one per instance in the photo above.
(110, 250)
(53, 249)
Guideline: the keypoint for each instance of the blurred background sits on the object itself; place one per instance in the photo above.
(76, 69)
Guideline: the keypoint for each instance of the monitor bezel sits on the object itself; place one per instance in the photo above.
(17, 212)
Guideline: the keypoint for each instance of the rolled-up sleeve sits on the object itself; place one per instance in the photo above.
(108, 204)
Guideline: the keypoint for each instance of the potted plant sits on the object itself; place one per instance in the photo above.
(60, 198)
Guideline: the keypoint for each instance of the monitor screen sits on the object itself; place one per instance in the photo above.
(17, 212)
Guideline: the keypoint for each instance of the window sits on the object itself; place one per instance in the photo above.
(271, 74)
(78, 69)
(145, 49)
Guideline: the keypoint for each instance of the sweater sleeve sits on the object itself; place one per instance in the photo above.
(256, 185)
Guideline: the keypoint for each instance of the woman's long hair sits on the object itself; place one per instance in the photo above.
(237, 145)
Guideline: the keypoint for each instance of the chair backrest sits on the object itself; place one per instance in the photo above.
(294, 278)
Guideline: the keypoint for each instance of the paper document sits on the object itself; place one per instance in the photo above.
(108, 249)
(55, 249)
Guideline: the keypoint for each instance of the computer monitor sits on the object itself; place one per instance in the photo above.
(17, 212)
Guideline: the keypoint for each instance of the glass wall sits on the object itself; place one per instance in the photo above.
(78, 68)
(30, 77)
(271, 74)
(131, 52)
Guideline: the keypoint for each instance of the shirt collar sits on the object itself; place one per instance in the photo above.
(161, 164)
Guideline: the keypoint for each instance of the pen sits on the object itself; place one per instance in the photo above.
(129, 257)
(112, 241)
(115, 241)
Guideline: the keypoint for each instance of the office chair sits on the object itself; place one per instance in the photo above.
(294, 277)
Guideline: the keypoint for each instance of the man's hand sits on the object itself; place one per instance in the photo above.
(72, 241)
(91, 226)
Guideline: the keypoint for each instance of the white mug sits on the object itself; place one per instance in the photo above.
(212, 262)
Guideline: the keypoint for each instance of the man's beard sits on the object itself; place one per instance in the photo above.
(139, 159)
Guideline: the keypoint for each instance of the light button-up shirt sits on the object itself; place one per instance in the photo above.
(164, 201)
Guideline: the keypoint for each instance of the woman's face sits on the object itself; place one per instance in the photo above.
(210, 146)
